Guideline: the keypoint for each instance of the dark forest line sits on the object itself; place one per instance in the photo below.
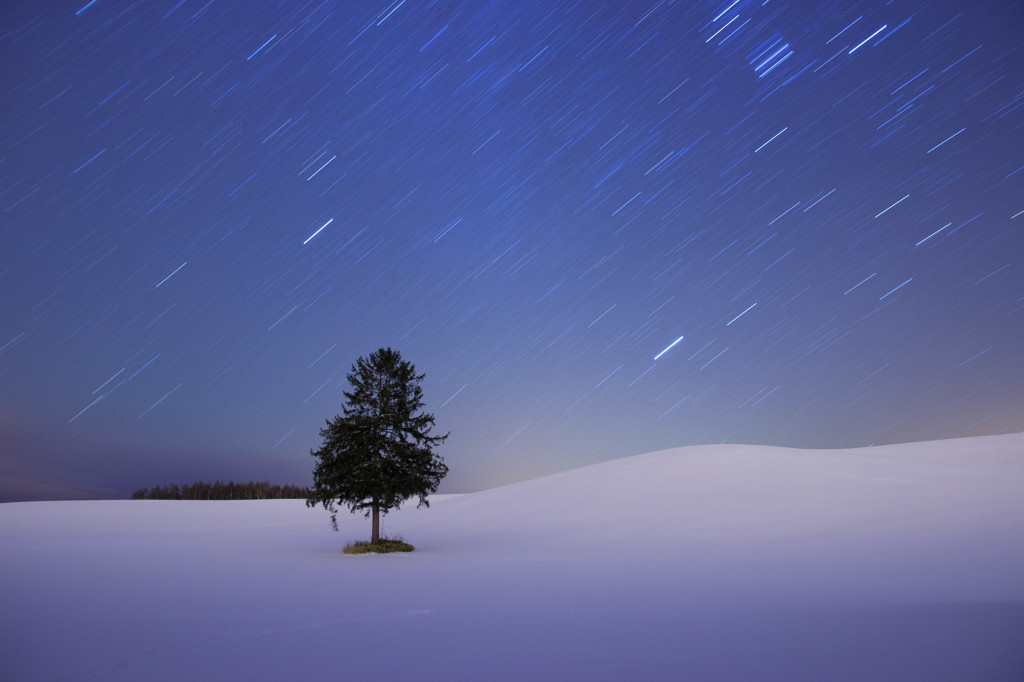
(201, 490)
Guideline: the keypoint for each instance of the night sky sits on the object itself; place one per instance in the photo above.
(600, 229)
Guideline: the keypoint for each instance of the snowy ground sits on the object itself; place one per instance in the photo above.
(707, 563)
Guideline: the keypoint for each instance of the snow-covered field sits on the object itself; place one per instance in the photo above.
(707, 563)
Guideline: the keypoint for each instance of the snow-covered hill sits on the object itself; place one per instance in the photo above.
(708, 563)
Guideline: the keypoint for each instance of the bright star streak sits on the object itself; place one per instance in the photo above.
(166, 395)
(884, 26)
(892, 206)
(859, 283)
(318, 231)
(897, 288)
(282, 439)
(79, 12)
(171, 275)
(261, 47)
(609, 376)
(945, 141)
(108, 381)
(724, 11)
(933, 234)
(86, 407)
(772, 138)
(740, 315)
(668, 348)
(23, 334)
(454, 394)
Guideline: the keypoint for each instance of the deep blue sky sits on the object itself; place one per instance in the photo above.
(211, 208)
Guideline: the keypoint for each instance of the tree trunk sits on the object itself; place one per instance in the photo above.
(375, 533)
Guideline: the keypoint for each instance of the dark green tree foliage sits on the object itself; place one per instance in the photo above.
(379, 451)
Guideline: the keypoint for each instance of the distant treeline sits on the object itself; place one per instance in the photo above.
(200, 490)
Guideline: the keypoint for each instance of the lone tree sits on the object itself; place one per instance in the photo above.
(378, 453)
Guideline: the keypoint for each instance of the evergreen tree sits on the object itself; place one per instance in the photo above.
(379, 451)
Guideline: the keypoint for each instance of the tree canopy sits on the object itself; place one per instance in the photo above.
(379, 451)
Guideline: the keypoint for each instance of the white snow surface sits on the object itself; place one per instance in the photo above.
(725, 562)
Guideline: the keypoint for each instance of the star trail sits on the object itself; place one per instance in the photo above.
(809, 214)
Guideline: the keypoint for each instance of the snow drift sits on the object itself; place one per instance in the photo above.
(711, 563)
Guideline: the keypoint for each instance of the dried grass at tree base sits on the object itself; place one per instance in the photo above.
(384, 546)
